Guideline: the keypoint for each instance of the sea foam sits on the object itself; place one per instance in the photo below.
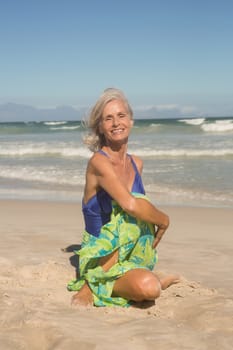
(218, 126)
(44, 150)
(184, 152)
(194, 121)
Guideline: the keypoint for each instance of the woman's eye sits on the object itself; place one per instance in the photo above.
(107, 119)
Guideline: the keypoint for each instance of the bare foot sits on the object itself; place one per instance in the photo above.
(167, 280)
(83, 297)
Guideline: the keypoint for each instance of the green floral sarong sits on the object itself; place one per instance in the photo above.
(132, 238)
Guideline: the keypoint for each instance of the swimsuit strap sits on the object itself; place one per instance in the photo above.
(102, 152)
(134, 164)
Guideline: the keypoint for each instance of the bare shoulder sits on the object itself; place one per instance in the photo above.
(139, 163)
(97, 168)
(98, 163)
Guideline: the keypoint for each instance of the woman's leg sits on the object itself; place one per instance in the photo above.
(141, 284)
(84, 296)
(137, 285)
(167, 280)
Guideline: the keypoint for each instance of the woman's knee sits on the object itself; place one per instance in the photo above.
(149, 287)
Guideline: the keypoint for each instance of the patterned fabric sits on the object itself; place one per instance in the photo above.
(132, 238)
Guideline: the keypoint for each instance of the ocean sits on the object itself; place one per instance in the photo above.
(186, 161)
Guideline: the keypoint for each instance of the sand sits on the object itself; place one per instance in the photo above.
(37, 261)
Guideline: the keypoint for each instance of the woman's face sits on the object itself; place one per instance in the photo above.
(116, 122)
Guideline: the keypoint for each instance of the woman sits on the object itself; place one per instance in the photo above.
(122, 227)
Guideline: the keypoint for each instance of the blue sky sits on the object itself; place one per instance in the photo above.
(167, 53)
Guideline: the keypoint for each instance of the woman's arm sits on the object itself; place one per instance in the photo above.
(106, 178)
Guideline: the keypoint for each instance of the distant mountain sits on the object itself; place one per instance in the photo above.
(166, 112)
(12, 112)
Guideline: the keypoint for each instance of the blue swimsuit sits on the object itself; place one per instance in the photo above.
(97, 211)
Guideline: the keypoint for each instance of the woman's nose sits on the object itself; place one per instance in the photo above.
(115, 120)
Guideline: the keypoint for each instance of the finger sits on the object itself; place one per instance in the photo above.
(155, 243)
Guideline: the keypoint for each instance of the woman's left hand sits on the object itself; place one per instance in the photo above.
(159, 232)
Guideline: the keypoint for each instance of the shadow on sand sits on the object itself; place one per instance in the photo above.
(74, 259)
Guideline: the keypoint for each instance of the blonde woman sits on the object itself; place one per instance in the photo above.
(122, 227)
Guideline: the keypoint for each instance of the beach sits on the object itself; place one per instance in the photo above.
(37, 261)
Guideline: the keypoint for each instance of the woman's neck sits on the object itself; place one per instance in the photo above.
(116, 153)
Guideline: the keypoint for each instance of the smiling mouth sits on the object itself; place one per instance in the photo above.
(117, 131)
